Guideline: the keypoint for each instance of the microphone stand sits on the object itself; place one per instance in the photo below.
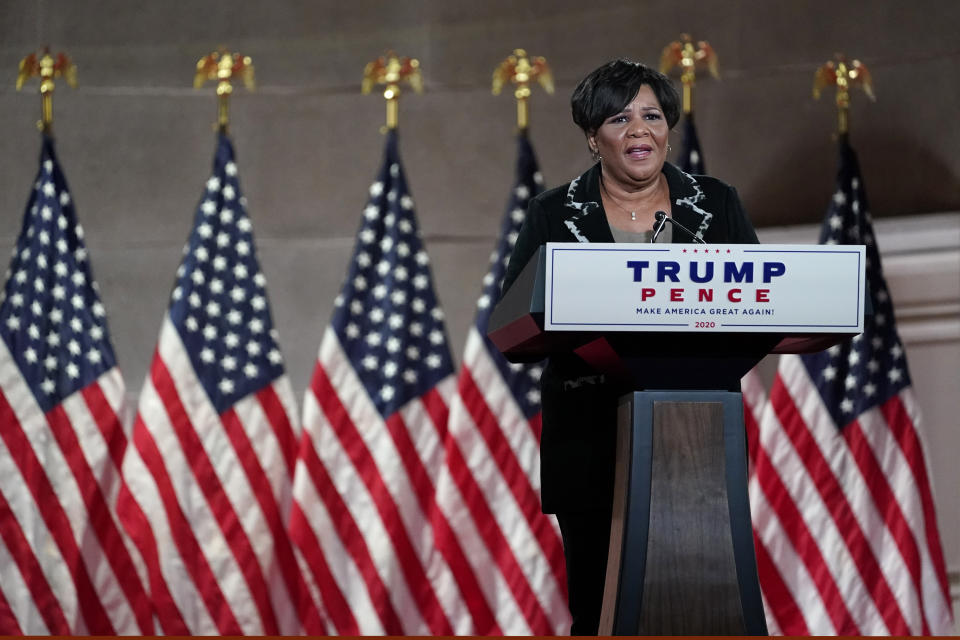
(661, 221)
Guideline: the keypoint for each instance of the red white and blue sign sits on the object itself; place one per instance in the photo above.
(728, 287)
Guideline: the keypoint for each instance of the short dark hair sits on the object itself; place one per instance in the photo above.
(611, 87)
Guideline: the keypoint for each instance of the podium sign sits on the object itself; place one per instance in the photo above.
(705, 288)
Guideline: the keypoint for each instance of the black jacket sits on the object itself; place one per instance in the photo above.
(577, 448)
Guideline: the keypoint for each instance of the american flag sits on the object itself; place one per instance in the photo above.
(690, 158)
(489, 487)
(65, 567)
(214, 441)
(375, 418)
(844, 522)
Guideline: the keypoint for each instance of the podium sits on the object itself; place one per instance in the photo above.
(681, 557)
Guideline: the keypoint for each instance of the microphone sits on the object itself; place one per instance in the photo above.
(662, 219)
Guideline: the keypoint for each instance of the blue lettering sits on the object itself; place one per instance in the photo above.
(707, 277)
(773, 270)
(731, 274)
(668, 270)
(638, 266)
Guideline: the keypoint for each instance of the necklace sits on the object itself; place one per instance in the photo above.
(633, 214)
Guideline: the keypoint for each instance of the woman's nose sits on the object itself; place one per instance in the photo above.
(638, 129)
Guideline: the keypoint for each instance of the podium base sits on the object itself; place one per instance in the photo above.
(681, 559)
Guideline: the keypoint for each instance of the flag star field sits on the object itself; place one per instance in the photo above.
(387, 315)
(51, 316)
(219, 303)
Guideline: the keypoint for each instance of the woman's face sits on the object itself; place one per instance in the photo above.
(633, 143)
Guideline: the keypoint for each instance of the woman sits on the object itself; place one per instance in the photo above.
(626, 111)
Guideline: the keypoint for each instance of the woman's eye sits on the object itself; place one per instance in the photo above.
(652, 116)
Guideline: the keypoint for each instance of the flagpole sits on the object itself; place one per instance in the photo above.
(521, 70)
(682, 53)
(47, 67)
(844, 76)
(222, 66)
(391, 70)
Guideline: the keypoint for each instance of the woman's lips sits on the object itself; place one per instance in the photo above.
(639, 152)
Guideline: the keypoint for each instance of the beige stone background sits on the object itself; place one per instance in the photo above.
(136, 143)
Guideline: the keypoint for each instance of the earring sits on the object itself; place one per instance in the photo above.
(669, 147)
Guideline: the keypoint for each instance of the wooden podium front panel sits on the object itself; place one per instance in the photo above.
(690, 586)
(681, 559)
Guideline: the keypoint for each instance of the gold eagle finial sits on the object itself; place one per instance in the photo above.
(391, 70)
(682, 53)
(844, 75)
(47, 67)
(521, 70)
(223, 66)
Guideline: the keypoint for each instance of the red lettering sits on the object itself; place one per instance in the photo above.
(733, 295)
(763, 295)
(646, 293)
(676, 295)
(706, 295)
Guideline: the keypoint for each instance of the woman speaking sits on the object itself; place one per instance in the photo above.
(626, 110)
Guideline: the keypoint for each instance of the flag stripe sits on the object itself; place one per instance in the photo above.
(491, 523)
(53, 514)
(439, 411)
(452, 578)
(835, 499)
(280, 422)
(483, 564)
(182, 533)
(218, 501)
(481, 615)
(349, 532)
(907, 493)
(101, 520)
(801, 584)
(513, 474)
(138, 528)
(8, 621)
(892, 516)
(898, 419)
(804, 543)
(536, 429)
(776, 592)
(512, 486)
(336, 605)
(102, 403)
(106, 419)
(31, 572)
(353, 402)
(85, 445)
(494, 539)
(387, 508)
(263, 492)
(882, 526)
(425, 493)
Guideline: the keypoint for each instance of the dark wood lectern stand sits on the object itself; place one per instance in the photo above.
(681, 558)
